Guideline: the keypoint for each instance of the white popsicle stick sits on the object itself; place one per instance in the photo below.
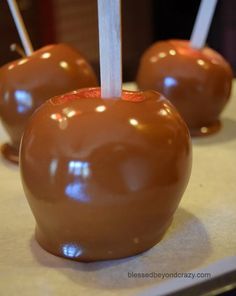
(109, 21)
(202, 23)
(20, 27)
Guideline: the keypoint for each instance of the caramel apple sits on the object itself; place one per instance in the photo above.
(197, 82)
(26, 83)
(103, 177)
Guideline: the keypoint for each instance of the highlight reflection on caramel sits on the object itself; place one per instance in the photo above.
(106, 177)
(26, 83)
(197, 82)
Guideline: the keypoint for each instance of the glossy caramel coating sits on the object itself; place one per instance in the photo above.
(104, 177)
(197, 82)
(26, 83)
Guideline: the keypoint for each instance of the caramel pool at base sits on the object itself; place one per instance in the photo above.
(26, 83)
(197, 82)
(103, 177)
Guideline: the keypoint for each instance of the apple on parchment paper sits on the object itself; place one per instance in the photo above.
(103, 177)
(197, 82)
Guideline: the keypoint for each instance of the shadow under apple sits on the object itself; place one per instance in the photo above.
(185, 246)
(227, 133)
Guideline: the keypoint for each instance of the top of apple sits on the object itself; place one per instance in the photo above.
(95, 93)
(183, 47)
(48, 53)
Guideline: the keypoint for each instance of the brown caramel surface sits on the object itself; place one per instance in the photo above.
(104, 177)
(197, 82)
(26, 83)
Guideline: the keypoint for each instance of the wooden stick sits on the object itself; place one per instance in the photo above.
(109, 20)
(15, 47)
(20, 27)
(202, 23)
